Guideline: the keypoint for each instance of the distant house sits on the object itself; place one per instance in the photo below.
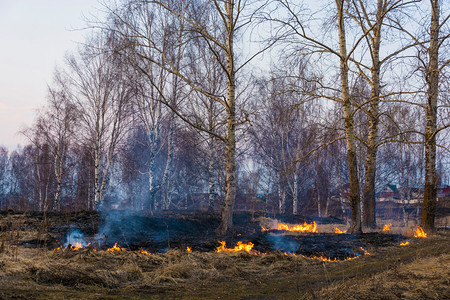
(250, 202)
(443, 191)
(389, 193)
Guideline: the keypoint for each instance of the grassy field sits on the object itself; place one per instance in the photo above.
(419, 270)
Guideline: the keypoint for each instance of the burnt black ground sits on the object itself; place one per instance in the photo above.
(32, 272)
(172, 230)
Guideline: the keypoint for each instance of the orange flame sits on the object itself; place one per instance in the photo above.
(324, 258)
(296, 228)
(365, 251)
(114, 248)
(350, 258)
(188, 249)
(77, 246)
(404, 243)
(144, 252)
(387, 227)
(337, 230)
(239, 247)
(420, 233)
(329, 259)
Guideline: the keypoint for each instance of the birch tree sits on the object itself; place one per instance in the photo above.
(377, 21)
(216, 24)
(57, 128)
(432, 73)
(430, 37)
(100, 94)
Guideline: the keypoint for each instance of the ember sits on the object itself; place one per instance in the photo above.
(387, 227)
(337, 230)
(324, 258)
(76, 247)
(296, 228)
(188, 249)
(420, 233)
(404, 243)
(365, 251)
(329, 259)
(239, 247)
(115, 248)
(142, 251)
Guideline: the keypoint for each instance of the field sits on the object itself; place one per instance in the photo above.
(155, 263)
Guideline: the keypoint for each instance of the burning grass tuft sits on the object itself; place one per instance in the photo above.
(337, 230)
(420, 233)
(180, 273)
(305, 227)
(240, 246)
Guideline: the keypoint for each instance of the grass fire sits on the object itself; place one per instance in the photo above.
(226, 149)
(294, 228)
(420, 233)
(175, 254)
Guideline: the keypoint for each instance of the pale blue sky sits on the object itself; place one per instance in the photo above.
(34, 35)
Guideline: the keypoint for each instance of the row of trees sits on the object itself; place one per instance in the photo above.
(165, 100)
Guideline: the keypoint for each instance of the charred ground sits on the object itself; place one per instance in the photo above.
(31, 268)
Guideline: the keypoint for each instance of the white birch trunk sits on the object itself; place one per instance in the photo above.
(355, 201)
(432, 78)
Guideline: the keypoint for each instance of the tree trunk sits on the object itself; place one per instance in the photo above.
(369, 213)
(369, 203)
(230, 143)
(211, 195)
(432, 77)
(58, 168)
(319, 210)
(168, 166)
(97, 161)
(295, 195)
(355, 201)
(230, 176)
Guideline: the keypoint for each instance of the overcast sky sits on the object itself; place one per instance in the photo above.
(34, 37)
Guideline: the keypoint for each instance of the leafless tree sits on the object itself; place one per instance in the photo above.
(216, 24)
(101, 96)
(4, 177)
(283, 131)
(294, 27)
(56, 126)
(373, 21)
(432, 71)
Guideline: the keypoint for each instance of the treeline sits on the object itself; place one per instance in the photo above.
(167, 99)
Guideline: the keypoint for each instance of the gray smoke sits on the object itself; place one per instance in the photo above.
(74, 237)
(282, 243)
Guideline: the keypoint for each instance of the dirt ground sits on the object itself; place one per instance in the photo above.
(162, 268)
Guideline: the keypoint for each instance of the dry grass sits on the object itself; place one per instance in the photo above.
(443, 222)
(416, 271)
(200, 275)
(116, 270)
(427, 278)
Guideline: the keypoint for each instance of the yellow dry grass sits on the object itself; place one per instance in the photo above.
(427, 278)
(115, 270)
